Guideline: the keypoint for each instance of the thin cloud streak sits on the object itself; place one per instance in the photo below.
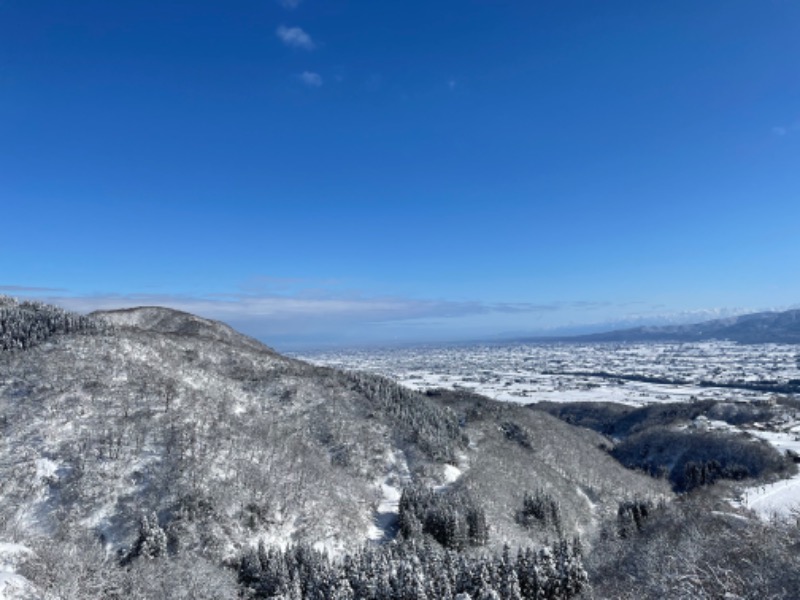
(28, 289)
(275, 307)
(286, 319)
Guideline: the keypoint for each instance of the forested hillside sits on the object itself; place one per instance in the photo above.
(25, 324)
(149, 453)
(136, 441)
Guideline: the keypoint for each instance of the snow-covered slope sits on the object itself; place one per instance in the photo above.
(12, 585)
(781, 498)
(166, 426)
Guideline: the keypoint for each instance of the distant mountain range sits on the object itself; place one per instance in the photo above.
(755, 328)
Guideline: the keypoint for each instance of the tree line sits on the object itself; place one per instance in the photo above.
(413, 571)
(26, 324)
(449, 516)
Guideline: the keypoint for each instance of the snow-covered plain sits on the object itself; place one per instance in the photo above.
(528, 373)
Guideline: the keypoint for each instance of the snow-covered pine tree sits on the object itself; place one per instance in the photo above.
(152, 540)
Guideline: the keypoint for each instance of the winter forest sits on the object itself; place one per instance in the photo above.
(148, 453)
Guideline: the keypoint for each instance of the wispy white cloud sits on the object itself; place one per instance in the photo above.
(24, 289)
(287, 312)
(287, 307)
(295, 37)
(310, 79)
(290, 4)
(314, 315)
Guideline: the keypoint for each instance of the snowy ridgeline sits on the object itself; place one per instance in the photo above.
(634, 374)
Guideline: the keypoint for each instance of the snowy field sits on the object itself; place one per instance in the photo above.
(528, 373)
(537, 372)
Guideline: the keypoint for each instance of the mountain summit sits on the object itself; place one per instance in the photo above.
(162, 320)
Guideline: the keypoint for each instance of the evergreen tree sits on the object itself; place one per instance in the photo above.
(548, 575)
(249, 569)
(152, 540)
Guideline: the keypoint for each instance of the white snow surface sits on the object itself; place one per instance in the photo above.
(397, 475)
(12, 585)
(776, 500)
(451, 474)
(388, 510)
(556, 372)
(45, 468)
(782, 498)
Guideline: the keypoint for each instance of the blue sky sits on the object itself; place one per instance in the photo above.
(332, 171)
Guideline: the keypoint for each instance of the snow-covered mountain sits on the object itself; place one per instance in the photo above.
(755, 328)
(151, 432)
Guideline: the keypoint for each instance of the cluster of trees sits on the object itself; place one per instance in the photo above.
(74, 566)
(621, 421)
(539, 509)
(25, 324)
(631, 516)
(517, 433)
(699, 473)
(692, 459)
(435, 430)
(449, 516)
(410, 571)
(695, 548)
(151, 542)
